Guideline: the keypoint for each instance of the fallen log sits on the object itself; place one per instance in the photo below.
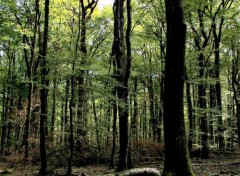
(133, 172)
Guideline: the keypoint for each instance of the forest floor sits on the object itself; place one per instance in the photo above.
(210, 167)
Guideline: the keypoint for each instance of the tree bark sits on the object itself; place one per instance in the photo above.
(123, 68)
(236, 90)
(43, 95)
(217, 39)
(114, 128)
(72, 106)
(177, 160)
(190, 114)
(54, 104)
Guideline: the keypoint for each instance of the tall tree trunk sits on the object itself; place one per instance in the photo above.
(144, 117)
(135, 120)
(190, 113)
(123, 64)
(43, 93)
(62, 122)
(217, 39)
(177, 160)
(28, 117)
(54, 104)
(3, 119)
(236, 89)
(96, 122)
(85, 15)
(72, 106)
(212, 102)
(203, 105)
(114, 128)
(31, 64)
(201, 86)
(153, 119)
(66, 110)
(6, 106)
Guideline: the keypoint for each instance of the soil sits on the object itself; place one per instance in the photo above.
(210, 167)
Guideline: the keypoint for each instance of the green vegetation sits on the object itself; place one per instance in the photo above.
(88, 85)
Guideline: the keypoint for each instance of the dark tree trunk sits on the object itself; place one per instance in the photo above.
(114, 128)
(85, 15)
(28, 117)
(236, 90)
(123, 64)
(177, 161)
(31, 65)
(108, 114)
(203, 105)
(201, 86)
(6, 110)
(43, 93)
(217, 40)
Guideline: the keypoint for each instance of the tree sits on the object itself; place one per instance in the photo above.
(123, 68)
(43, 95)
(177, 161)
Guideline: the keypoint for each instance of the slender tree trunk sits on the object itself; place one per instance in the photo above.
(72, 106)
(203, 105)
(28, 117)
(62, 122)
(217, 40)
(43, 93)
(153, 119)
(236, 90)
(96, 122)
(66, 110)
(108, 114)
(54, 104)
(82, 120)
(135, 120)
(177, 161)
(212, 103)
(3, 120)
(190, 114)
(11, 116)
(114, 128)
(144, 117)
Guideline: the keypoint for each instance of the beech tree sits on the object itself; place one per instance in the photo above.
(44, 95)
(123, 69)
(75, 86)
(177, 161)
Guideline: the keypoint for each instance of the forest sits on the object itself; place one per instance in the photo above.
(131, 87)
